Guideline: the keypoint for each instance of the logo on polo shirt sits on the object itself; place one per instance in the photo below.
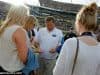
(54, 35)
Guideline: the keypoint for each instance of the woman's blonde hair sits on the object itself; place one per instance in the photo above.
(30, 21)
(16, 15)
(87, 16)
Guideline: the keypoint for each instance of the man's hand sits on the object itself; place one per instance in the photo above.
(53, 50)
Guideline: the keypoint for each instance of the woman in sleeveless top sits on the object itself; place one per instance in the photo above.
(14, 41)
(88, 55)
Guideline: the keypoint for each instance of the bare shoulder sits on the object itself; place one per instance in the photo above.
(19, 33)
(20, 29)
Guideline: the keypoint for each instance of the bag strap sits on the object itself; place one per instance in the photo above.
(75, 58)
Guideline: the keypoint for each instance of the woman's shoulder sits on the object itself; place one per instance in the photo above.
(69, 46)
(12, 29)
(18, 30)
(70, 43)
(14, 26)
(71, 40)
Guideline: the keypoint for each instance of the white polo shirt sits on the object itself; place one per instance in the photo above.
(49, 40)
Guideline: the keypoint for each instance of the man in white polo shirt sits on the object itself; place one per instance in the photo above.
(49, 38)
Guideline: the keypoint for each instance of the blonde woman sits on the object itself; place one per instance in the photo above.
(30, 26)
(14, 40)
(31, 22)
(84, 53)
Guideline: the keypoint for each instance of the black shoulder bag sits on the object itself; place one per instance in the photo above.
(75, 58)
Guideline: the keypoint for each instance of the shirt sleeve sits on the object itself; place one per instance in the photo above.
(60, 43)
(65, 60)
(61, 38)
(61, 62)
(37, 37)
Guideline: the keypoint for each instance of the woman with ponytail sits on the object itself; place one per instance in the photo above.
(81, 56)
